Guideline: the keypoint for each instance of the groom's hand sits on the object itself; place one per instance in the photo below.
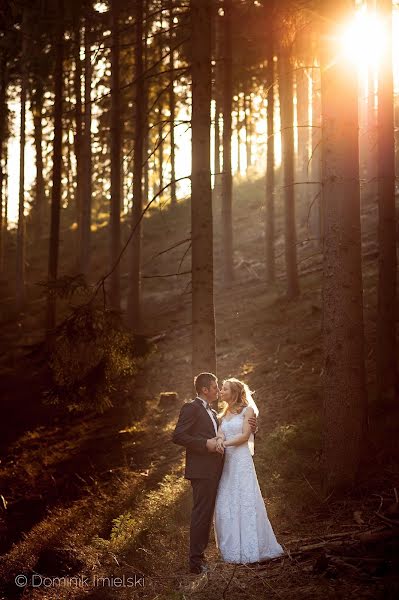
(211, 444)
(252, 424)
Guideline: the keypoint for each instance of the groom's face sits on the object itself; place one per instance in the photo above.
(212, 392)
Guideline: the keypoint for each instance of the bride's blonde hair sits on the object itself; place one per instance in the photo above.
(241, 395)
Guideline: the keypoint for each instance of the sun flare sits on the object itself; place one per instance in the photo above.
(363, 39)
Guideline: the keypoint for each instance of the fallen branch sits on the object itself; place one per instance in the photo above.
(333, 535)
(390, 522)
(324, 544)
(378, 536)
(364, 559)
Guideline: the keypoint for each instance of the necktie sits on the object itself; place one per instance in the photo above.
(208, 406)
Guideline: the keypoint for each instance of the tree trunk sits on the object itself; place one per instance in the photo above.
(160, 149)
(146, 141)
(344, 373)
(316, 217)
(248, 134)
(3, 147)
(172, 107)
(134, 294)
(78, 139)
(216, 95)
(302, 94)
(227, 182)
(217, 146)
(40, 197)
(57, 166)
(386, 321)
(20, 254)
(203, 315)
(371, 125)
(3, 221)
(86, 157)
(6, 196)
(69, 175)
(116, 162)
(396, 113)
(238, 134)
(287, 135)
(269, 229)
(146, 163)
(371, 137)
(160, 115)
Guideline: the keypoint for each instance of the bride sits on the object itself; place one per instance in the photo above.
(243, 531)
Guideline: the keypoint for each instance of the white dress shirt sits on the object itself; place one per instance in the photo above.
(208, 410)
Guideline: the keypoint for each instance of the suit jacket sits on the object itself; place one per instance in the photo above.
(193, 428)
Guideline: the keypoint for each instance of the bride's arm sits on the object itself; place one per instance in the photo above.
(246, 431)
(220, 433)
(220, 437)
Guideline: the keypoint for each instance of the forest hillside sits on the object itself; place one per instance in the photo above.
(92, 494)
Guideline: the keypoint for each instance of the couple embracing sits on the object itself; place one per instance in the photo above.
(219, 464)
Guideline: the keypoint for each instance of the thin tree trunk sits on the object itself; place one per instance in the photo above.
(5, 177)
(287, 135)
(20, 255)
(57, 166)
(371, 137)
(78, 123)
(343, 337)
(217, 98)
(69, 175)
(316, 210)
(134, 296)
(69, 126)
(146, 165)
(270, 180)
(396, 113)
(247, 125)
(3, 147)
(227, 189)
(386, 321)
(161, 116)
(116, 162)
(238, 133)
(217, 146)
(302, 94)
(160, 150)
(86, 158)
(172, 107)
(203, 314)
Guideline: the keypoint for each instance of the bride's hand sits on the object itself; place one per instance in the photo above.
(219, 446)
(253, 424)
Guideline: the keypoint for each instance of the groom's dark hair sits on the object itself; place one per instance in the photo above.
(203, 380)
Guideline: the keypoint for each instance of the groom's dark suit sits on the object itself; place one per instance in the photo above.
(203, 468)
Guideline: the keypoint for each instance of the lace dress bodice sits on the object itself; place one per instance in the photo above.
(232, 426)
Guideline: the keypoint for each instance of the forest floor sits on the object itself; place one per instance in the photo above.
(94, 496)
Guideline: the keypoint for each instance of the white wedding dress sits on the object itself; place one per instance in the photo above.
(243, 531)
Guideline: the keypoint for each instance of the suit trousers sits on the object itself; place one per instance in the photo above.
(204, 497)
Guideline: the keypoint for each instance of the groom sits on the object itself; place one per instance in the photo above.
(196, 430)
